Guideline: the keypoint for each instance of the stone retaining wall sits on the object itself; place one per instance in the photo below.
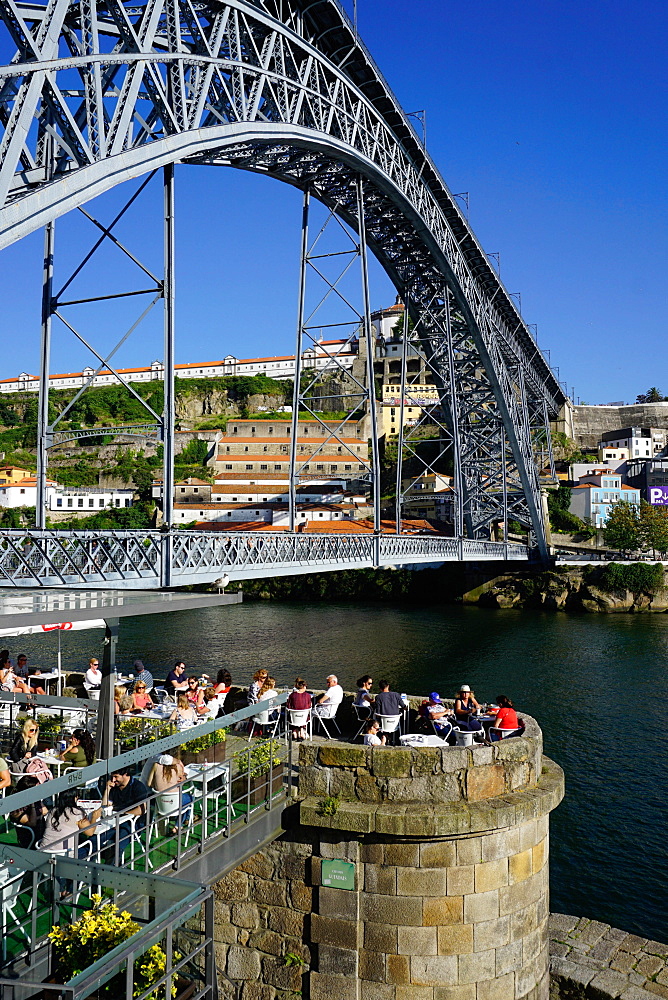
(590, 960)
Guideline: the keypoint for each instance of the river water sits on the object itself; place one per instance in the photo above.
(597, 685)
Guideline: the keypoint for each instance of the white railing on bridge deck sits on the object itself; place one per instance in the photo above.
(150, 559)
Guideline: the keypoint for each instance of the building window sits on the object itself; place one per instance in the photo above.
(91, 503)
(228, 466)
(100, 502)
(69, 503)
(263, 468)
(80, 503)
(59, 502)
(277, 468)
(249, 467)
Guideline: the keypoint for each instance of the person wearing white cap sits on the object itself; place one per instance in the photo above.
(166, 775)
(465, 708)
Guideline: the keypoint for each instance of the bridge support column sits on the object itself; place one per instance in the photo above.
(428, 880)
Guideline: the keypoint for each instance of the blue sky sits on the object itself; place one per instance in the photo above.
(552, 116)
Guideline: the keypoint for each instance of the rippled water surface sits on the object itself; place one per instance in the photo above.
(596, 684)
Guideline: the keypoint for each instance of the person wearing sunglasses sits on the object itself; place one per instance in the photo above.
(25, 744)
(141, 699)
(194, 693)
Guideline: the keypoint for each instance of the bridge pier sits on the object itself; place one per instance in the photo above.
(442, 859)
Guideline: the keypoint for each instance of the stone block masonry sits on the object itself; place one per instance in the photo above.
(449, 849)
(594, 961)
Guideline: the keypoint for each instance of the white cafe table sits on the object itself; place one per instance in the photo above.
(51, 760)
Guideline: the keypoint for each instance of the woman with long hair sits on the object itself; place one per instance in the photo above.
(9, 682)
(141, 699)
(259, 677)
(122, 701)
(165, 777)
(80, 751)
(184, 715)
(61, 825)
(223, 681)
(194, 692)
(25, 743)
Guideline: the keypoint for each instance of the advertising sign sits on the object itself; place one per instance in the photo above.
(339, 874)
(658, 495)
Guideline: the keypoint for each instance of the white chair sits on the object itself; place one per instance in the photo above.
(326, 713)
(92, 690)
(10, 889)
(162, 697)
(389, 724)
(300, 718)
(442, 728)
(262, 721)
(362, 714)
(467, 737)
(496, 734)
(166, 806)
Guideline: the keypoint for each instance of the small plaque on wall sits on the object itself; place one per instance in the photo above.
(338, 874)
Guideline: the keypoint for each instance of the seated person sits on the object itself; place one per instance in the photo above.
(25, 744)
(327, 704)
(175, 681)
(363, 698)
(23, 673)
(5, 776)
(223, 682)
(61, 825)
(141, 699)
(438, 713)
(127, 796)
(28, 820)
(506, 716)
(80, 751)
(166, 775)
(122, 701)
(9, 682)
(142, 674)
(194, 692)
(299, 700)
(259, 677)
(388, 702)
(466, 708)
(210, 707)
(184, 715)
(371, 737)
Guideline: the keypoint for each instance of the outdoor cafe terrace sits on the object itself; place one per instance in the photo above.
(158, 865)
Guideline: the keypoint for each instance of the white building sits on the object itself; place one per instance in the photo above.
(320, 357)
(24, 493)
(636, 442)
(276, 514)
(87, 500)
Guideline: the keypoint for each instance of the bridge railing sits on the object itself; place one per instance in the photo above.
(32, 558)
(173, 918)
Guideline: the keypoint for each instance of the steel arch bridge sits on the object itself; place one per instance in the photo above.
(98, 92)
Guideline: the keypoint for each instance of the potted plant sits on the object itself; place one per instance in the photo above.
(97, 931)
(265, 773)
(209, 749)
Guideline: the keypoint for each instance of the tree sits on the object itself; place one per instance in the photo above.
(654, 528)
(651, 396)
(622, 529)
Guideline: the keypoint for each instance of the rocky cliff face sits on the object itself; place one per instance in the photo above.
(573, 589)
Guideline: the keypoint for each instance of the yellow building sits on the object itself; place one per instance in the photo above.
(417, 399)
(11, 474)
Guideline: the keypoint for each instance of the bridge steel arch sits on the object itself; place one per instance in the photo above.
(101, 91)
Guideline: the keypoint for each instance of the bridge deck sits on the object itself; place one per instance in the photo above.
(131, 560)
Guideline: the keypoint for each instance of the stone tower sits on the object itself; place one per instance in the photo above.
(442, 859)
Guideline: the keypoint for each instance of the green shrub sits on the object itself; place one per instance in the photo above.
(636, 577)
